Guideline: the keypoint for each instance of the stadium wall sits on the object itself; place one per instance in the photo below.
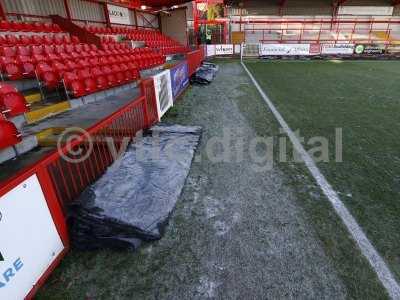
(174, 24)
(81, 12)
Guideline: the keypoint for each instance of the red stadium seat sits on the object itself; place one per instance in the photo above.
(119, 75)
(48, 40)
(59, 68)
(66, 39)
(27, 65)
(90, 85)
(3, 41)
(15, 26)
(26, 40)
(37, 58)
(13, 101)
(71, 65)
(13, 40)
(128, 75)
(101, 80)
(86, 48)
(85, 76)
(8, 51)
(65, 56)
(37, 49)
(104, 61)
(53, 57)
(112, 60)
(9, 135)
(24, 50)
(47, 75)
(75, 40)
(131, 66)
(74, 85)
(94, 62)
(112, 81)
(48, 49)
(13, 71)
(37, 40)
(84, 63)
(84, 73)
(74, 55)
(4, 25)
(37, 27)
(69, 48)
(59, 49)
(55, 28)
(78, 48)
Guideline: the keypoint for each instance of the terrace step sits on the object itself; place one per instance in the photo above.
(42, 111)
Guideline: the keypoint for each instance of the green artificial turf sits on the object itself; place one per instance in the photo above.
(315, 97)
(362, 98)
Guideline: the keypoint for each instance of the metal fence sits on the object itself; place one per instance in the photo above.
(82, 162)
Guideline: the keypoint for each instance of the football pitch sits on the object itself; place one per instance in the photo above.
(243, 233)
(362, 100)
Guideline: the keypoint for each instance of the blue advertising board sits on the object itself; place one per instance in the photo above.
(179, 78)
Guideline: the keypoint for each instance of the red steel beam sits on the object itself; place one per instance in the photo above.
(106, 15)
(67, 10)
(2, 12)
(282, 4)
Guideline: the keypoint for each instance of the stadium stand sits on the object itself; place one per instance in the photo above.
(153, 39)
(57, 57)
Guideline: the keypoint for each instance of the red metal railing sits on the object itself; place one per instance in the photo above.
(95, 151)
(194, 59)
(321, 30)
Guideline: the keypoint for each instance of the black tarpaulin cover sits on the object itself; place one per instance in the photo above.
(135, 197)
(205, 74)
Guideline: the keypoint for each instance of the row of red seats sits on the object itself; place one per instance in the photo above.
(118, 30)
(12, 103)
(49, 39)
(147, 37)
(138, 37)
(78, 76)
(29, 27)
(90, 80)
(20, 62)
(14, 50)
(48, 49)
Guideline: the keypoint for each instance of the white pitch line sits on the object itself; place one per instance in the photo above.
(367, 249)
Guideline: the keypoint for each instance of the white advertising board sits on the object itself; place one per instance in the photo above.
(163, 89)
(226, 49)
(284, 49)
(210, 50)
(337, 49)
(29, 241)
(366, 10)
(118, 14)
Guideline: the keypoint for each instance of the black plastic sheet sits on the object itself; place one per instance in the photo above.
(205, 74)
(134, 199)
